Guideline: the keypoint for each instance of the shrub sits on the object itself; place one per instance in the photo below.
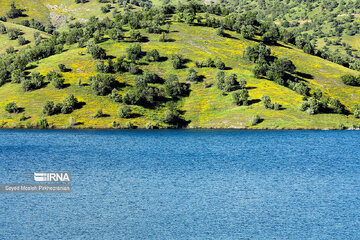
(115, 96)
(102, 84)
(219, 64)
(356, 111)
(124, 112)
(311, 106)
(22, 41)
(255, 120)
(62, 67)
(177, 61)
(48, 108)
(11, 107)
(350, 80)
(153, 55)
(173, 87)
(192, 75)
(241, 98)
(149, 125)
(69, 104)
(42, 123)
(265, 99)
(99, 113)
(134, 52)
(337, 106)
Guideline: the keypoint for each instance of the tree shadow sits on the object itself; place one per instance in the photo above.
(226, 35)
(163, 59)
(250, 88)
(253, 101)
(31, 66)
(304, 75)
(79, 105)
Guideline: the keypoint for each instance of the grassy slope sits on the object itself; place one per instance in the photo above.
(27, 34)
(205, 107)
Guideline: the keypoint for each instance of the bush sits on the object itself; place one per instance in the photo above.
(174, 88)
(153, 55)
(241, 98)
(255, 120)
(49, 108)
(134, 52)
(42, 123)
(11, 107)
(62, 67)
(115, 96)
(36, 81)
(265, 99)
(337, 106)
(177, 61)
(149, 125)
(99, 113)
(69, 104)
(124, 112)
(219, 64)
(96, 51)
(311, 106)
(102, 84)
(192, 75)
(22, 41)
(350, 80)
(356, 111)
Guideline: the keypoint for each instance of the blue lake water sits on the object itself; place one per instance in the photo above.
(183, 184)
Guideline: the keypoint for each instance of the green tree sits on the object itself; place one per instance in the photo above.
(241, 97)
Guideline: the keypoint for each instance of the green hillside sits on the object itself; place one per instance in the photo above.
(181, 32)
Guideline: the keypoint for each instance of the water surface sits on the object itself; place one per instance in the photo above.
(183, 184)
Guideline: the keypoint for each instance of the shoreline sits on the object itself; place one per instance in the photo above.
(137, 128)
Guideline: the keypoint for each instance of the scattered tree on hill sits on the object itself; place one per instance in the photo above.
(12, 107)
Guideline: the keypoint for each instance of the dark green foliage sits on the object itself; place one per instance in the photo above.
(255, 120)
(266, 101)
(62, 67)
(42, 123)
(153, 55)
(17, 76)
(102, 84)
(12, 107)
(135, 35)
(116, 34)
(219, 64)
(177, 61)
(49, 108)
(69, 104)
(192, 75)
(105, 68)
(220, 32)
(2, 28)
(257, 53)
(96, 51)
(241, 97)
(35, 82)
(134, 52)
(134, 69)
(115, 96)
(124, 112)
(350, 80)
(14, 12)
(356, 111)
(247, 31)
(13, 33)
(174, 88)
(311, 106)
(226, 83)
(337, 106)
(22, 41)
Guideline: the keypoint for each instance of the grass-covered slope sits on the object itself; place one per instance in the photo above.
(205, 107)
